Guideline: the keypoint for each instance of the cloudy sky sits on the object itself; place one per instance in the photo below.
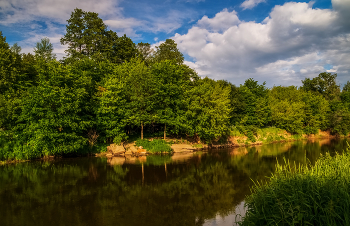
(280, 42)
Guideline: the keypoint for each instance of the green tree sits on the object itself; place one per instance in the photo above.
(140, 108)
(287, 108)
(208, 111)
(43, 50)
(171, 82)
(345, 94)
(124, 49)
(316, 112)
(54, 115)
(111, 100)
(11, 78)
(88, 36)
(168, 51)
(16, 49)
(146, 52)
(325, 84)
(250, 104)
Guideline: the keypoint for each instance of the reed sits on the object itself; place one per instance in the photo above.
(303, 195)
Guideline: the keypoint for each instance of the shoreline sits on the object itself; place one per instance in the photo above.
(188, 147)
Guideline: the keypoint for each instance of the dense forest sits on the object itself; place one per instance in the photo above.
(108, 89)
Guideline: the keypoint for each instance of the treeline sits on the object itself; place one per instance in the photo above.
(108, 89)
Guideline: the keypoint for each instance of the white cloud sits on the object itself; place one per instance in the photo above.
(222, 21)
(294, 42)
(249, 4)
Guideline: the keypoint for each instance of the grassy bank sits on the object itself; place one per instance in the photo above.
(308, 195)
(243, 136)
(154, 146)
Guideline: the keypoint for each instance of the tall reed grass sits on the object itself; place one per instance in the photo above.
(303, 195)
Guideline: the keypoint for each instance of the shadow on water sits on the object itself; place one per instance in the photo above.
(190, 189)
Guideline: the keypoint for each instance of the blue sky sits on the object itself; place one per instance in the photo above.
(280, 42)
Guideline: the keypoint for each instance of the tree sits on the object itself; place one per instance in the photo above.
(208, 110)
(250, 104)
(124, 49)
(145, 52)
(11, 78)
(55, 113)
(16, 49)
(316, 111)
(325, 84)
(287, 108)
(43, 50)
(87, 35)
(112, 103)
(168, 51)
(171, 82)
(140, 108)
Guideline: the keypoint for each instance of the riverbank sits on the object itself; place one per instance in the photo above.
(188, 145)
(236, 139)
(303, 195)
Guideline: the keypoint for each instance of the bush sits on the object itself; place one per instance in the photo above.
(304, 195)
(155, 146)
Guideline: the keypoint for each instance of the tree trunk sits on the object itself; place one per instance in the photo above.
(141, 130)
(164, 131)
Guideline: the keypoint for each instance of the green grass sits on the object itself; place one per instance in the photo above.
(304, 195)
(155, 146)
(197, 145)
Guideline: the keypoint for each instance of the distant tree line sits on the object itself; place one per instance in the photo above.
(108, 89)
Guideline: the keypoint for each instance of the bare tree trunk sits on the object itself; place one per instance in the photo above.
(164, 131)
(141, 130)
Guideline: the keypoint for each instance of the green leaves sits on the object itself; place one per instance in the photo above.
(208, 110)
(53, 117)
(44, 50)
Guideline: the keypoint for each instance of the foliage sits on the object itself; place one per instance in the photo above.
(250, 104)
(208, 111)
(44, 50)
(304, 195)
(87, 36)
(325, 84)
(154, 146)
(53, 117)
(168, 51)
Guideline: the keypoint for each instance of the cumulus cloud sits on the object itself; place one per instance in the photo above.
(222, 21)
(249, 4)
(295, 41)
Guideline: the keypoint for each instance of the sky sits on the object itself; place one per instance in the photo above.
(280, 42)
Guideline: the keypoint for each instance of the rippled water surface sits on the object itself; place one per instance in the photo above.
(189, 189)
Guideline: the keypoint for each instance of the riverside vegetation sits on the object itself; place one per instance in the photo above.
(304, 195)
(107, 89)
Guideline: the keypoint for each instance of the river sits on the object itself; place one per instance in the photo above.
(204, 188)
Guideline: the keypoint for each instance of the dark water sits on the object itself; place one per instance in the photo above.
(192, 189)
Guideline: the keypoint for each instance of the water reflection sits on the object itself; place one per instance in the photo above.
(190, 189)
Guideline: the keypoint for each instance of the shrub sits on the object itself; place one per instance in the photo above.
(155, 146)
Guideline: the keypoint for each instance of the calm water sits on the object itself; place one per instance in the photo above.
(192, 189)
